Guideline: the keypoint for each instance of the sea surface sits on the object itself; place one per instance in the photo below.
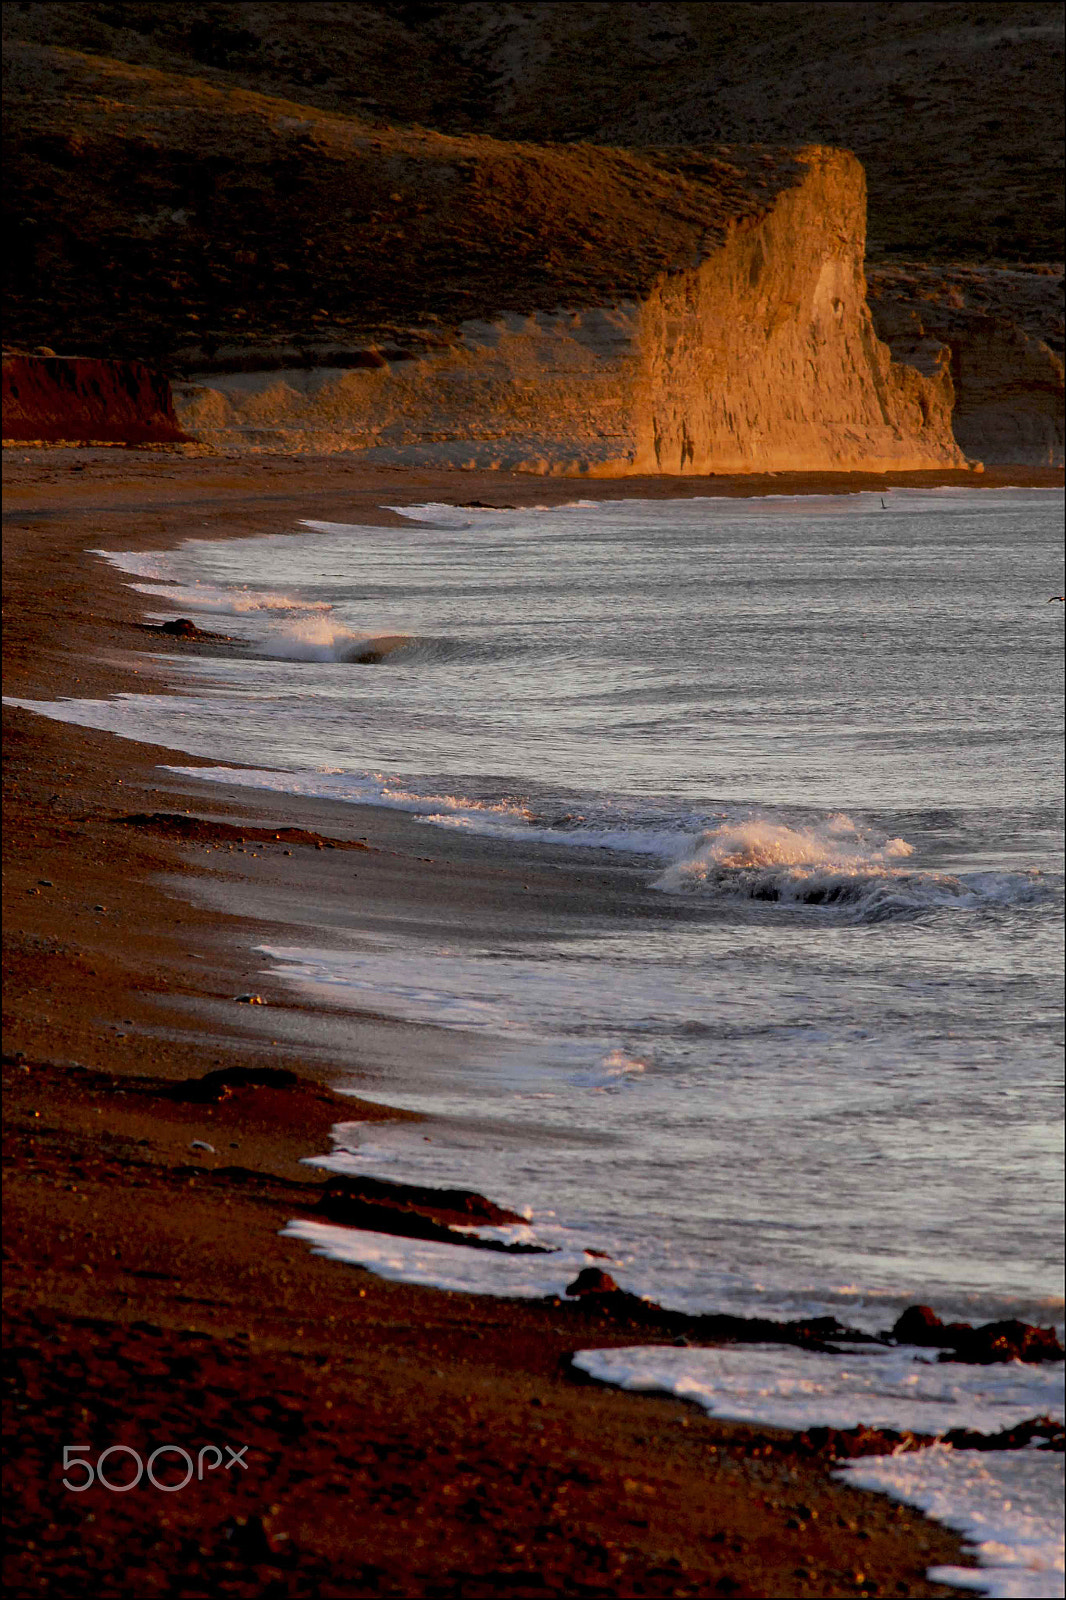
(831, 726)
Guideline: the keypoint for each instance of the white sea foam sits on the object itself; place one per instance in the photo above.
(159, 568)
(1008, 1504)
(797, 1389)
(613, 1072)
(443, 1266)
(227, 603)
(319, 639)
(441, 514)
(501, 818)
(154, 564)
(831, 864)
(360, 788)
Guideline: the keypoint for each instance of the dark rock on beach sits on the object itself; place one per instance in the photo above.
(411, 1211)
(1042, 1432)
(597, 1294)
(464, 1206)
(591, 1280)
(184, 628)
(992, 1342)
(216, 1086)
(1004, 1341)
(918, 1325)
(843, 1444)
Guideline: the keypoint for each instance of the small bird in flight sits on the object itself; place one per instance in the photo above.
(1061, 598)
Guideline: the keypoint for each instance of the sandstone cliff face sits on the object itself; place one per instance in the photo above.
(765, 358)
(761, 356)
(52, 398)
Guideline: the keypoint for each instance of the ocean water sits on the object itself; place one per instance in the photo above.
(825, 731)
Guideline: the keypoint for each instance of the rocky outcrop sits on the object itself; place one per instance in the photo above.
(82, 399)
(760, 356)
(1000, 331)
(991, 1342)
(766, 359)
(410, 1211)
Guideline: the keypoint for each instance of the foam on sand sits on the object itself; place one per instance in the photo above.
(446, 1266)
(1008, 1503)
(884, 1388)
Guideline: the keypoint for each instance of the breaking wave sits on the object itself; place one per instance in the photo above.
(833, 864)
(319, 639)
(613, 1072)
(442, 514)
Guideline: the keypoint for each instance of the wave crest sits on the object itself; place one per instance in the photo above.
(319, 639)
(831, 864)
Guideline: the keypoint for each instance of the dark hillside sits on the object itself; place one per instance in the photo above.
(955, 110)
(159, 216)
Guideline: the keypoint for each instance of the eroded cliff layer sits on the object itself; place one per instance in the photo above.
(759, 356)
(53, 398)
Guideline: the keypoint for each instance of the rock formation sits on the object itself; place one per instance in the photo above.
(316, 277)
(759, 357)
(77, 400)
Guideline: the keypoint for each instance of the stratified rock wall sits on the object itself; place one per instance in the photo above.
(765, 358)
(759, 357)
(77, 399)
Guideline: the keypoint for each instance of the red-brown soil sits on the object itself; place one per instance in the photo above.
(78, 399)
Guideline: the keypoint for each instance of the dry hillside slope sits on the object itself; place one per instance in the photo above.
(955, 110)
(154, 214)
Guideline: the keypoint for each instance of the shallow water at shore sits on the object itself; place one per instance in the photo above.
(826, 727)
(830, 732)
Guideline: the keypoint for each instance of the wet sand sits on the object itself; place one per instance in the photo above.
(401, 1441)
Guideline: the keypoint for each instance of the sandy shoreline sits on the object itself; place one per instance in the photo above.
(402, 1441)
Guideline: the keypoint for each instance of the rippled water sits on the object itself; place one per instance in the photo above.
(833, 728)
(828, 730)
